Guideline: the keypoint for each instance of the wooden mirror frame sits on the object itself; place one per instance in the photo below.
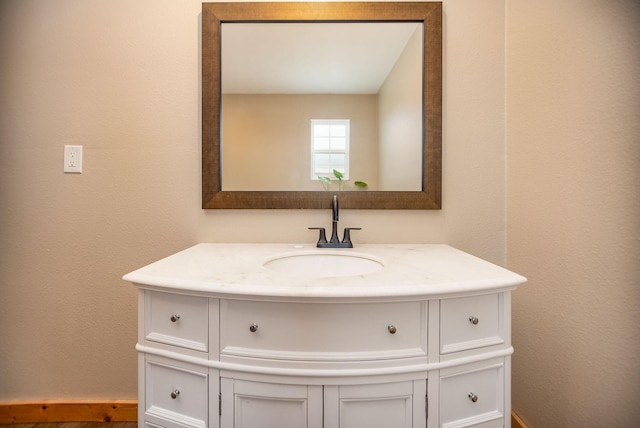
(428, 13)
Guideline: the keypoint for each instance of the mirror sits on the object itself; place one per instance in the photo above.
(241, 165)
(281, 79)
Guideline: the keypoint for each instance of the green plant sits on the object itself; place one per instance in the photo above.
(326, 181)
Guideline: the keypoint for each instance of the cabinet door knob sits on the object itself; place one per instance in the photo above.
(392, 329)
(473, 397)
(474, 320)
(175, 317)
(253, 328)
(175, 393)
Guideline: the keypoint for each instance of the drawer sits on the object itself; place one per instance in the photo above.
(323, 331)
(473, 394)
(176, 393)
(177, 320)
(471, 322)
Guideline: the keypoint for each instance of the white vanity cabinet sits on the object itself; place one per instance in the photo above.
(220, 349)
(262, 404)
(321, 351)
(398, 404)
(249, 404)
(303, 334)
(475, 393)
(175, 389)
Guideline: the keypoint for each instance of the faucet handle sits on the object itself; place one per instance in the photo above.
(322, 239)
(346, 239)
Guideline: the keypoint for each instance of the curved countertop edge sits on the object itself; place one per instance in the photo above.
(412, 271)
(346, 294)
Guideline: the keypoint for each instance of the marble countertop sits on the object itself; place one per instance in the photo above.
(410, 271)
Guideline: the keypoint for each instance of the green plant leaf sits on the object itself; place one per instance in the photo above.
(338, 174)
(325, 181)
(360, 184)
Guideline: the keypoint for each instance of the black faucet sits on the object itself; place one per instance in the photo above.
(335, 242)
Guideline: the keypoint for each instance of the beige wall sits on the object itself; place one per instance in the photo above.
(269, 132)
(573, 139)
(400, 106)
(122, 78)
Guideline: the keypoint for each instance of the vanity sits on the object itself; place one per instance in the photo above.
(293, 336)
(281, 335)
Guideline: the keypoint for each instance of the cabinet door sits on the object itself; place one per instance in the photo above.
(398, 405)
(473, 395)
(471, 322)
(176, 393)
(247, 404)
(176, 320)
(322, 331)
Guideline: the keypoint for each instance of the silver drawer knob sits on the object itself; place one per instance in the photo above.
(175, 317)
(473, 397)
(392, 329)
(474, 320)
(253, 328)
(175, 393)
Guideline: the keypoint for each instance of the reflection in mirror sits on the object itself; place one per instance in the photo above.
(271, 69)
(277, 78)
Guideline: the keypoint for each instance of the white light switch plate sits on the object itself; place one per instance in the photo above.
(73, 159)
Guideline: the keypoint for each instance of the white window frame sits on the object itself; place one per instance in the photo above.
(345, 151)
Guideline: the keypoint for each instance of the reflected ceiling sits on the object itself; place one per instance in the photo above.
(304, 58)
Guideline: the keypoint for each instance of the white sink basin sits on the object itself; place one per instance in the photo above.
(321, 264)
